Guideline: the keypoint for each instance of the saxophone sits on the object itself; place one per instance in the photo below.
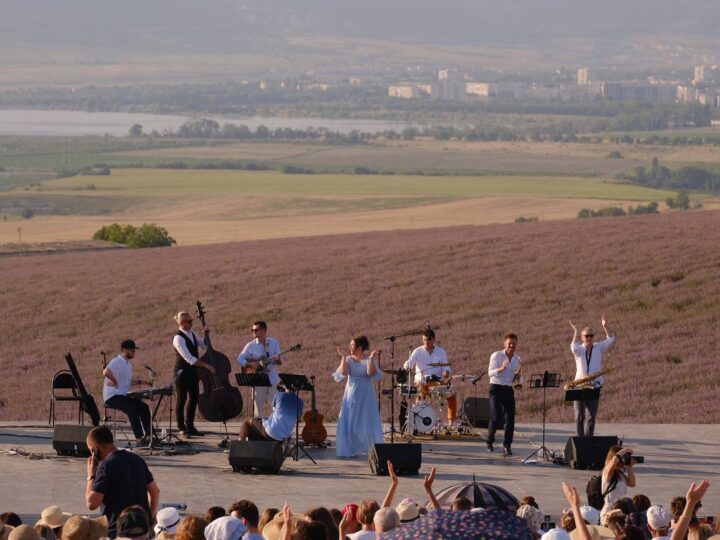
(517, 379)
(583, 382)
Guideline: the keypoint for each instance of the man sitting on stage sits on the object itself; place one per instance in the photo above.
(117, 382)
(286, 409)
(420, 360)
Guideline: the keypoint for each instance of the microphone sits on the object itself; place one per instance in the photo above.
(476, 379)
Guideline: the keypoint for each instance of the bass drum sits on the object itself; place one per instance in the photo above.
(422, 418)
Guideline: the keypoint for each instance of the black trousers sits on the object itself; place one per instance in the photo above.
(502, 398)
(138, 413)
(187, 389)
(585, 414)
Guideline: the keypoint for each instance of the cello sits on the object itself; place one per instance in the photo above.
(219, 400)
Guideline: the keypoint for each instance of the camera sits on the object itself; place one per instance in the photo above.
(631, 459)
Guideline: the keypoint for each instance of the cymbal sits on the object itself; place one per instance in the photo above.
(465, 377)
(392, 371)
(439, 364)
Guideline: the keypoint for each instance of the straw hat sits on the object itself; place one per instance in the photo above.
(23, 532)
(84, 528)
(53, 517)
(5, 531)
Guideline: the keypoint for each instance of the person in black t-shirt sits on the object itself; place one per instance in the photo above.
(117, 478)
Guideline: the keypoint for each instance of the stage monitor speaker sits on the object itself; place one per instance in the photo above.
(264, 457)
(71, 440)
(405, 458)
(588, 452)
(477, 411)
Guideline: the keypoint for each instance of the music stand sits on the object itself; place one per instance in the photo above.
(253, 379)
(295, 383)
(543, 380)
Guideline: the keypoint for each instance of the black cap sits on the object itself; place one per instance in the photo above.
(132, 524)
(128, 344)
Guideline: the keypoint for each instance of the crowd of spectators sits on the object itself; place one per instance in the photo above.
(635, 518)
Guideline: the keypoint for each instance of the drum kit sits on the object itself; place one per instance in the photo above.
(423, 406)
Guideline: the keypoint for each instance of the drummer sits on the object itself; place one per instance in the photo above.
(432, 369)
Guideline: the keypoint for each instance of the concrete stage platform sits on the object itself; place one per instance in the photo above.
(675, 456)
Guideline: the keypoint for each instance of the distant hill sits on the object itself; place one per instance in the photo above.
(228, 26)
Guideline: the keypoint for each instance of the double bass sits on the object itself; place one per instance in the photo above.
(219, 400)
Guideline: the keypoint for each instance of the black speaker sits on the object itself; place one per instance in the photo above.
(588, 452)
(477, 411)
(405, 458)
(71, 440)
(263, 457)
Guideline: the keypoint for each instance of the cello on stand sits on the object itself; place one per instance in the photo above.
(219, 400)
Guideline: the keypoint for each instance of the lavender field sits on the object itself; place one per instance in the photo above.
(655, 278)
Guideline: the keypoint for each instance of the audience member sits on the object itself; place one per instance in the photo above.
(590, 514)
(658, 520)
(213, 513)
(567, 520)
(365, 515)
(633, 532)
(337, 515)
(324, 516)
(55, 518)
(408, 510)
(133, 524)
(191, 528)
(23, 532)
(10, 518)
(386, 519)
(225, 528)
(461, 503)
(117, 478)
(352, 525)
(168, 520)
(5, 531)
(533, 516)
(274, 528)
(699, 531)
(267, 516)
(84, 528)
(247, 512)
(693, 497)
(45, 532)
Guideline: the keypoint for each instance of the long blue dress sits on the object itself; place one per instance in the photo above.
(359, 422)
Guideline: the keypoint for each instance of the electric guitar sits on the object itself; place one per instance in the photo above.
(265, 361)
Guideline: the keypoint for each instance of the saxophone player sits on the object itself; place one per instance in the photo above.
(588, 360)
(503, 366)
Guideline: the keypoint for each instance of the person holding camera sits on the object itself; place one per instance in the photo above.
(617, 476)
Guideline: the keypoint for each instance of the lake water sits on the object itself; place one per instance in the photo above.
(77, 123)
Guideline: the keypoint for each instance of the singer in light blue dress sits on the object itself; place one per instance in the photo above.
(359, 423)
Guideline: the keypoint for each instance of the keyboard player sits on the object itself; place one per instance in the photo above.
(116, 383)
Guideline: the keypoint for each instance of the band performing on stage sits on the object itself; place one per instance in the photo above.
(425, 398)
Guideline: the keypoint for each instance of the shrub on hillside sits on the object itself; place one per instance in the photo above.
(651, 208)
(523, 219)
(681, 201)
(602, 212)
(148, 235)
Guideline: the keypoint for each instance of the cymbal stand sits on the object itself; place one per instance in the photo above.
(392, 388)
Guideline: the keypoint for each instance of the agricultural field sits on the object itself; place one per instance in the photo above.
(208, 206)
(654, 277)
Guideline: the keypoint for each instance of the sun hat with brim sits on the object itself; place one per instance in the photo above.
(84, 528)
(168, 520)
(5, 531)
(408, 510)
(23, 532)
(53, 517)
(590, 514)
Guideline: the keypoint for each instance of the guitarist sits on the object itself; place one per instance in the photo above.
(186, 344)
(262, 350)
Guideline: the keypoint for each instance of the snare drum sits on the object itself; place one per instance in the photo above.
(422, 417)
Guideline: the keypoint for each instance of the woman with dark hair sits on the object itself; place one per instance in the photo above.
(324, 516)
(359, 421)
(617, 476)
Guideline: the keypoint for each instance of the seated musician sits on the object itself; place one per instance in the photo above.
(117, 382)
(262, 348)
(286, 409)
(420, 360)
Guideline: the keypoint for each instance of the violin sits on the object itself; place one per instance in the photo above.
(219, 400)
(314, 432)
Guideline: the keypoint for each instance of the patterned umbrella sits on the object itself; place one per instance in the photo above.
(480, 494)
(492, 524)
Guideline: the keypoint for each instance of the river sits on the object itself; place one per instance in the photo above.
(78, 123)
